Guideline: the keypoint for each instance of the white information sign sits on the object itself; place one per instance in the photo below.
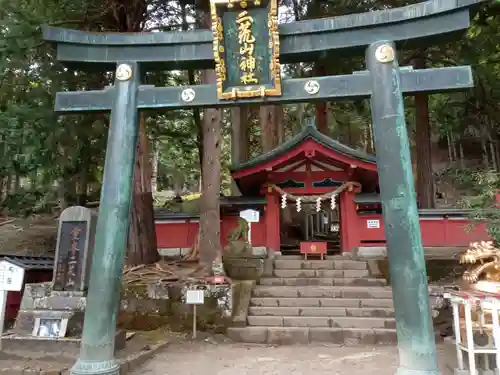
(11, 280)
(252, 216)
(373, 224)
(11, 276)
(195, 297)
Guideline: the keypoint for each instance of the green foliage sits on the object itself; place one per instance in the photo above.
(41, 152)
(482, 188)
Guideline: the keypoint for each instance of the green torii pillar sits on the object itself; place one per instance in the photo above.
(416, 342)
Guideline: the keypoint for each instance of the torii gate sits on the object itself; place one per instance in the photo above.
(378, 32)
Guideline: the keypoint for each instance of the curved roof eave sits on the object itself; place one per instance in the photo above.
(309, 132)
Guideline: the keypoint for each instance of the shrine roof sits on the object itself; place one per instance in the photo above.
(308, 132)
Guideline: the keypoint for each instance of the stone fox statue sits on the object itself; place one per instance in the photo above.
(240, 232)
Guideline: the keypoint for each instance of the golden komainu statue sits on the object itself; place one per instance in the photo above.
(483, 275)
(484, 260)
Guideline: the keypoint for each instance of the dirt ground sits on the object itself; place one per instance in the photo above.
(31, 358)
(34, 236)
(209, 358)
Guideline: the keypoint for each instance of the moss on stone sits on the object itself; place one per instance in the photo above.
(140, 312)
(438, 270)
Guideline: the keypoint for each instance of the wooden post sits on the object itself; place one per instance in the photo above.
(272, 219)
(348, 225)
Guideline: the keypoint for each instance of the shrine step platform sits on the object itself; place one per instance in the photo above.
(337, 300)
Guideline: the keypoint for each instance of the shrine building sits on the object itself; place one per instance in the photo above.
(313, 188)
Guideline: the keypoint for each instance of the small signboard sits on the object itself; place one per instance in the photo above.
(313, 248)
(195, 297)
(252, 216)
(11, 277)
(246, 48)
(373, 224)
(11, 280)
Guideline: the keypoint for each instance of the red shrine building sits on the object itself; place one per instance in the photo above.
(313, 188)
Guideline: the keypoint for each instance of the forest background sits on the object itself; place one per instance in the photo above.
(48, 162)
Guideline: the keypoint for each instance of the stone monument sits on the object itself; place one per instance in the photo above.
(75, 242)
(54, 311)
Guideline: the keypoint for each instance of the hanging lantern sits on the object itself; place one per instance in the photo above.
(333, 204)
(318, 205)
(299, 207)
(283, 201)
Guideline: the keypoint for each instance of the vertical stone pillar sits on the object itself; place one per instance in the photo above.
(98, 340)
(416, 342)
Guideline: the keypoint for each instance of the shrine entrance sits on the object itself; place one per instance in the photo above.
(312, 179)
(246, 47)
(309, 225)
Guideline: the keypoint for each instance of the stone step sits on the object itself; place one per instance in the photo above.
(320, 273)
(320, 321)
(308, 273)
(301, 257)
(304, 281)
(322, 311)
(328, 264)
(306, 335)
(321, 302)
(340, 291)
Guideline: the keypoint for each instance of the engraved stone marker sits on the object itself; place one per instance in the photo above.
(75, 242)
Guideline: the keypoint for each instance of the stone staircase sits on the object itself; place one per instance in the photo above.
(337, 300)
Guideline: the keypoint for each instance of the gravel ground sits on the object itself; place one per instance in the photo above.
(200, 358)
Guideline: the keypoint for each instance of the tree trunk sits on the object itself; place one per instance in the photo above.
(83, 177)
(61, 194)
(268, 127)
(239, 139)
(83, 186)
(322, 107)
(453, 147)
(486, 161)
(154, 167)
(493, 153)
(142, 247)
(461, 154)
(301, 111)
(425, 179)
(210, 246)
(450, 153)
(280, 126)
(17, 183)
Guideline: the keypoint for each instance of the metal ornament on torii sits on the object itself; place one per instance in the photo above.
(244, 35)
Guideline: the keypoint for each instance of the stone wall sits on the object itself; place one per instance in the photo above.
(142, 308)
(441, 274)
(147, 308)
